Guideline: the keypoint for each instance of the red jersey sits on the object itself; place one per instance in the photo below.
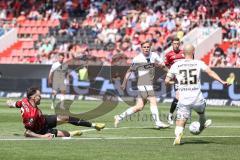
(32, 117)
(172, 56)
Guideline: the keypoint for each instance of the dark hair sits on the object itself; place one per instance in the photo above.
(175, 39)
(61, 54)
(31, 91)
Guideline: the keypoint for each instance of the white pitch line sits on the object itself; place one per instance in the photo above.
(89, 130)
(114, 138)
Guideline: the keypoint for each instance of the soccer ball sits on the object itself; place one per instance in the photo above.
(194, 128)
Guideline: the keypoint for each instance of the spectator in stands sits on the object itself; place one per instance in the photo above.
(64, 47)
(125, 45)
(75, 50)
(170, 24)
(115, 23)
(1, 31)
(93, 10)
(73, 28)
(109, 35)
(34, 14)
(238, 60)
(202, 11)
(233, 30)
(97, 28)
(218, 51)
(185, 25)
(64, 25)
(17, 6)
(231, 59)
(21, 18)
(69, 6)
(233, 48)
(3, 14)
(55, 14)
(218, 57)
(46, 59)
(144, 22)
(110, 16)
(46, 47)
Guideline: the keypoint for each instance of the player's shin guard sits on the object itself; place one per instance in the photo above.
(173, 105)
(79, 122)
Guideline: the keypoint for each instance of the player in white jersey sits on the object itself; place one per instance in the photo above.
(143, 64)
(188, 74)
(58, 78)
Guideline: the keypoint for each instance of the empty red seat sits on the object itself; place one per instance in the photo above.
(55, 23)
(44, 23)
(26, 23)
(35, 36)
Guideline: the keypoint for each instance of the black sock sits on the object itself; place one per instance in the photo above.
(173, 105)
(79, 122)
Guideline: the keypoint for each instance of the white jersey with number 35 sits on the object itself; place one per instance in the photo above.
(188, 75)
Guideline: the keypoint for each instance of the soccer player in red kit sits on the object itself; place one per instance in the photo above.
(42, 126)
(170, 58)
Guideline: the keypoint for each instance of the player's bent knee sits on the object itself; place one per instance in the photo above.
(181, 122)
(138, 108)
(62, 118)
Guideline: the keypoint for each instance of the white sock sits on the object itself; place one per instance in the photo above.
(178, 130)
(62, 97)
(126, 113)
(93, 125)
(53, 100)
(155, 115)
(202, 119)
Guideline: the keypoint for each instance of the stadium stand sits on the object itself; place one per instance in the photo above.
(229, 54)
(104, 28)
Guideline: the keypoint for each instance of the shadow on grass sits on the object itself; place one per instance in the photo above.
(197, 141)
(152, 128)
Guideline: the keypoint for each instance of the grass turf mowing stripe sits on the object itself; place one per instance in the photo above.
(111, 138)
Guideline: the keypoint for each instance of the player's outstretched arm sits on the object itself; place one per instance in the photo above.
(29, 133)
(215, 76)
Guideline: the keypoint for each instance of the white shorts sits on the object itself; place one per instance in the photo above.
(184, 112)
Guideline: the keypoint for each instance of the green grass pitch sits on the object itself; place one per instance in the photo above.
(135, 139)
